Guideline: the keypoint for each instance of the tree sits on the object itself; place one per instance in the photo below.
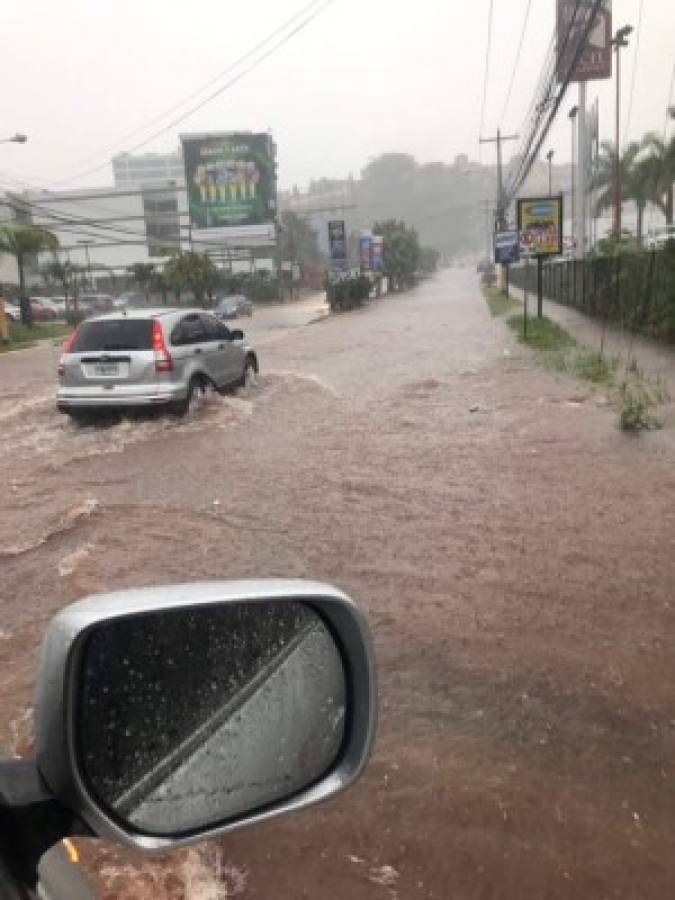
(142, 274)
(401, 252)
(297, 239)
(23, 242)
(428, 260)
(191, 270)
(637, 179)
(63, 273)
(662, 154)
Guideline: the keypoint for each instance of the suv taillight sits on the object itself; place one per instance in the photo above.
(67, 348)
(163, 361)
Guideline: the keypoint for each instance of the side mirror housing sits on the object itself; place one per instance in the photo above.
(169, 715)
(237, 334)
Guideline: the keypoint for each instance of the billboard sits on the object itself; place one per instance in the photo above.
(540, 225)
(230, 179)
(365, 251)
(377, 253)
(596, 58)
(337, 243)
(507, 247)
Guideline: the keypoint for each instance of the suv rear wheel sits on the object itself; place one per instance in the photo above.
(182, 407)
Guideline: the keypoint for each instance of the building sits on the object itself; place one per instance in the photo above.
(148, 169)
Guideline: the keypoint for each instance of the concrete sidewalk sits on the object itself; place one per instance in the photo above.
(657, 361)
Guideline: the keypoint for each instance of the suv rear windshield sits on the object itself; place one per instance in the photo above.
(113, 334)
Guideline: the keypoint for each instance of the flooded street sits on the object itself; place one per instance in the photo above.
(513, 551)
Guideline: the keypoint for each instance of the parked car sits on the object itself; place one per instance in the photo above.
(12, 311)
(129, 300)
(95, 303)
(41, 311)
(233, 306)
(56, 304)
(151, 357)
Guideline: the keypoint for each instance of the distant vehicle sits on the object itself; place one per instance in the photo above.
(660, 237)
(40, 309)
(152, 357)
(56, 304)
(12, 312)
(233, 306)
(129, 299)
(95, 303)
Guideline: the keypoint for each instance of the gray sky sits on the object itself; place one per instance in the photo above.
(363, 78)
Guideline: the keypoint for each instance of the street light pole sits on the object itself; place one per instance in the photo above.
(619, 40)
(573, 119)
(549, 157)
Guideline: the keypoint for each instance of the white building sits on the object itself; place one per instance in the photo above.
(148, 169)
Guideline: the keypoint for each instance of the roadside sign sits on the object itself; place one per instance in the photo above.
(365, 251)
(540, 225)
(507, 247)
(377, 253)
(595, 61)
(337, 242)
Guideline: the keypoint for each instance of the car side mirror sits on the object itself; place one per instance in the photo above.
(237, 334)
(168, 715)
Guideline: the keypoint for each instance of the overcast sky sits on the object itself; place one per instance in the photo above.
(361, 79)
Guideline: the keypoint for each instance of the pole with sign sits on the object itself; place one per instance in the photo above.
(540, 225)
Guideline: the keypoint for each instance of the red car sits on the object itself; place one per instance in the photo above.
(41, 313)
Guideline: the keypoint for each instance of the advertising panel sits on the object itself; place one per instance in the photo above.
(540, 225)
(230, 178)
(337, 242)
(507, 247)
(377, 253)
(595, 61)
(365, 250)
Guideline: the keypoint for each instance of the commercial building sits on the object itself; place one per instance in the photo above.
(148, 169)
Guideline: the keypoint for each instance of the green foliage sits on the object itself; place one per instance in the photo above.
(259, 287)
(401, 253)
(23, 241)
(429, 259)
(635, 412)
(297, 240)
(348, 292)
(542, 334)
(194, 271)
(143, 275)
(22, 336)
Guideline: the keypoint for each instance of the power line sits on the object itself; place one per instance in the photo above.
(634, 72)
(487, 67)
(516, 60)
(235, 65)
(221, 90)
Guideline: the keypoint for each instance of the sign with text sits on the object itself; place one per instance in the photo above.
(377, 253)
(230, 179)
(365, 251)
(540, 225)
(595, 61)
(337, 242)
(507, 247)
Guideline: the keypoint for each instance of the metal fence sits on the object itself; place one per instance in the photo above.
(634, 290)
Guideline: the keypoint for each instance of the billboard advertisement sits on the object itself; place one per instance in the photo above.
(596, 58)
(337, 244)
(507, 247)
(377, 253)
(365, 251)
(230, 179)
(540, 225)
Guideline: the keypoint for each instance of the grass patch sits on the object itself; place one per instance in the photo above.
(498, 304)
(23, 336)
(635, 410)
(542, 334)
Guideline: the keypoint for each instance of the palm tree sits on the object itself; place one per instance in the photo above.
(637, 180)
(143, 275)
(24, 241)
(662, 154)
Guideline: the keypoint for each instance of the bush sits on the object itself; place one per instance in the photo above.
(635, 412)
(347, 292)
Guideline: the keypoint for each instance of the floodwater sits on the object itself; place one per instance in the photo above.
(513, 551)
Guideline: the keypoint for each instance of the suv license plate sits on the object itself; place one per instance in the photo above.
(106, 369)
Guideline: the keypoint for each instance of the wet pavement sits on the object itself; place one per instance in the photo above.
(514, 554)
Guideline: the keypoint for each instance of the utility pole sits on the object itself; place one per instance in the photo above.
(573, 119)
(549, 157)
(500, 212)
(86, 251)
(619, 40)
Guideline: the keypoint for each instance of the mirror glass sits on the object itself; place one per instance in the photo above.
(185, 718)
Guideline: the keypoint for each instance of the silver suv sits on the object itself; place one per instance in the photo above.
(150, 357)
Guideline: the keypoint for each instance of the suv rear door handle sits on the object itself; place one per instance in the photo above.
(198, 350)
(221, 346)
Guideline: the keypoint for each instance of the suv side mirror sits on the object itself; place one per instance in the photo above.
(237, 335)
(168, 715)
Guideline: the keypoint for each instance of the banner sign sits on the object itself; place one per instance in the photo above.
(365, 251)
(540, 224)
(377, 253)
(507, 247)
(230, 179)
(595, 61)
(337, 243)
